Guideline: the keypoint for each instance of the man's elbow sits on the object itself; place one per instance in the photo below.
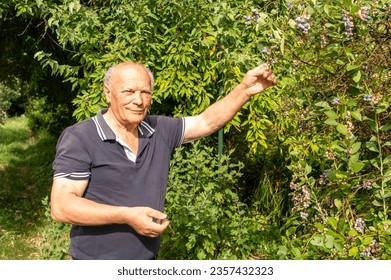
(57, 215)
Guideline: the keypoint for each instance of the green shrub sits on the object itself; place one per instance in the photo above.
(208, 220)
(7, 95)
(319, 141)
(54, 237)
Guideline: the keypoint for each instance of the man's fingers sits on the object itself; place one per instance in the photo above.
(272, 78)
(157, 227)
(156, 214)
(267, 73)
(158, 221)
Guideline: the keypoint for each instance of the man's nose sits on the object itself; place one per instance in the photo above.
(137, 98)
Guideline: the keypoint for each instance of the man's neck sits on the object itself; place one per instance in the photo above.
(127, 133)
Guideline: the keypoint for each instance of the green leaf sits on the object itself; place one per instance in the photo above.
(356, 147)
(323, 104)
(352, 102)
(385, 127)
(337, 204)
(332, 122)
(331, 114)
(343, 129)
(351, 67)
(296, 252)
(331, 220)
(282, 250)
(354, 158)
(336, 147)
(367, 240)
(326, 9)
(292, 23)
(357, 76)
(317, 240)
(353, 252)
(337, 175)
(329, 241)
(372, 146)
(373, 125)
(201, 255)
(382, 107)
(356, 114)
(308, 169)
(357, 166)
(319, 226)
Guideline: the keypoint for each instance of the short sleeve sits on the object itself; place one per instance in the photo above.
(72, 159)
(173, 130)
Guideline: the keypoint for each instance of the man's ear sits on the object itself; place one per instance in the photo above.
(107, 93)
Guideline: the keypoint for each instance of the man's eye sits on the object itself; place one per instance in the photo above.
(132, 92)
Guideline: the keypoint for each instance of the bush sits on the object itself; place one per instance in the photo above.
(7, 95)
(54, 237)
(208, 220)
(323, 131)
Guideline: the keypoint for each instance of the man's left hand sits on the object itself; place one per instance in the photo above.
(258, 79)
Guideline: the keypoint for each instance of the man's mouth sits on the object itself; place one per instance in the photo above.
(137, 112)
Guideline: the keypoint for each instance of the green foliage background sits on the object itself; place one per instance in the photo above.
(311, 175)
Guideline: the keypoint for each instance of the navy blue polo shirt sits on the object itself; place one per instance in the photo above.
(89, 150)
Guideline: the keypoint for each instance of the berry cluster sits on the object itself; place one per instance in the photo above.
(266, 51)
(335, 101)
(247, 20)
(348, 23)
(368, 97)
(359, 225)
(323, 41)
(254, 17)
(366, 185)
(331, 156)
(302, 25)
(301, 196)
(255, 14)
(349, 125)
(372, 250)
(304, 215)
(363, 13)
(376, 98)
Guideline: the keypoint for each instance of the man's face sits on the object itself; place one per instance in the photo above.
(129, 94)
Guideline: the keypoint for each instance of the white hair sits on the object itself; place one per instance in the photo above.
(109, 73)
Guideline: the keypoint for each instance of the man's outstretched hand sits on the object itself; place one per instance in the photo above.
(258, 79)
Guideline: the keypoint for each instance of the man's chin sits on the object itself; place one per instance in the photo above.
(136, 118)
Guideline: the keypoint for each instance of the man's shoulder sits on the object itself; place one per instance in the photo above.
(169, 129)
(155, 120)
(81, 128)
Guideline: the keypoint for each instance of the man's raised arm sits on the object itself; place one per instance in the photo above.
(221, 112)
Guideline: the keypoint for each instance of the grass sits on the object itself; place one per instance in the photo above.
(25, 180)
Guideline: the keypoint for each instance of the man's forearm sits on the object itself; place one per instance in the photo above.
(80, 211)
(221, 112)
(216, 115)
(69, 206)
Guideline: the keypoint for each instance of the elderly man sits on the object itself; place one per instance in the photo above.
(110, 171)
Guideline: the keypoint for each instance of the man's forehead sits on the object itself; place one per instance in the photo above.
(131, 73)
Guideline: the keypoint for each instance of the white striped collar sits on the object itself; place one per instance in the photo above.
(106, 133)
